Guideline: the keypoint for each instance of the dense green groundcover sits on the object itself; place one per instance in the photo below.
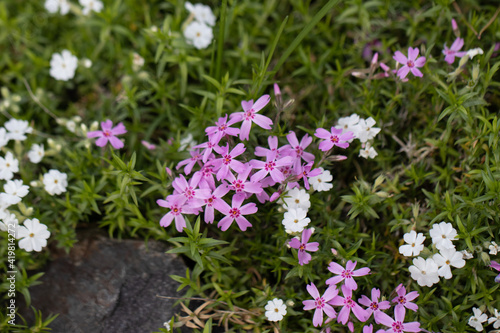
(438, 154)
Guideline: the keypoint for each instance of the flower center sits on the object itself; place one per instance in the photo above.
(302, 247)
(32, 235)
(374, 306)
(397, 326)
(269, 166)
(276, 310)
(235, 212)
(296, 221)
(348, 302)
(410, 63)
(106, 133)
(401, 300)
(443, 236)
(447, 262)
(319, 302)
(226, 159)
(334, 138)
(346, 274)
(190, 192)
(249, 115)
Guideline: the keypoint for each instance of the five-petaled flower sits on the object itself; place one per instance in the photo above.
(412, 63)
(333, 138)
(236, 212)
(303, 246)
(346, 274)
(320, 303)
(250, 115)
(108, 133)
(454, 50)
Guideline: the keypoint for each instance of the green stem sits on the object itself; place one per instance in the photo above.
(220, 40)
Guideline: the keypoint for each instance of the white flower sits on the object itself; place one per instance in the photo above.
(8, 219)
(63, 66)
(275, 310)
(424, 271)
(201, 13)
(71, 126)
(295, 220)
(167, 326)
(474, 52)
(321, 182)
(187, 143)
(53, 6)
(14, 191)
(368, 151)
(89, 5)
(4, 137)
(349, 124)
(36, 153)
(17, 129)
(198, 34)
(447, 258)
(365, 130)
(34, 235)
(415, 244)
(297, 198)
(495, 319)
(55, 182)
(478, 318)
(137, 61)
(442, 235)
(466, 254)
(494, 248)
(8, 166)
(87, 63)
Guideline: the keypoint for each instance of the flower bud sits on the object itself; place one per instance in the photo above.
(290, 303)
(475, 72)
(277, 91)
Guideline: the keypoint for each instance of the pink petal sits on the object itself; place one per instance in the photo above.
(292, 139)
(277, 175)
(166, 220)
(350, 265)
(246, 105)
(119, 129)
(318, 317)
(457, 44)
(413, 53)
(384, 319)
(375, 294)
(335, 268)
(180, 223)
(360, 313)
(312, 290)
(238, 150)
(322, 133)
(312, 247)
(263, 121)
(115, 142)
(330, 293)
(416, 72)
(329, 311)
(411, 306)
(106, 125)
(411, 296)
(245, 129)
(361, 271)
(399, 313)
(261, 102)
(249, 208)
(351, 284)
(225, 223)
(399, 57)
(344, 315)
(384, 305)
(209, 214)
(102, 141)
(238, 200)
(334, 280)
(94, 134)
(295, 243)
(325, 145)
(304, 257)
(403, 72)
(309, 304)
(412, 327)
(243, 223)
(364, 300)
(420, 62)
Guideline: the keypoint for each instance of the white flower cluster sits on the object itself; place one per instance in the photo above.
(479, 318)
(427, 271)
(199, 32)
(363, 130)
(297, 203)
(32, 234)
(63, 6)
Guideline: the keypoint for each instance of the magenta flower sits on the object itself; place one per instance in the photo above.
(236, 212)
(273, 147)
(409, 64)
(271, 166)
(453, 51)
(250, 115)
(346, 274)
(148, 145)
(221, 128)
(296, 150)
(207, 150)
(320, 303)
(403, 299)
(304, 246)
(241, 184)
(207, 177)
(190, 191)
(189, 162)
(215, 202)
(333, 138)
(397, 325)
(348, 304)
(306, 172)
(496, 266)
(227, 160)
(108, 133)
(373, 305)
(178, 205)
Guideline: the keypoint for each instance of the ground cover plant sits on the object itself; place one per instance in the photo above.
(324, 166)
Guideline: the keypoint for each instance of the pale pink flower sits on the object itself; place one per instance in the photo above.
(346, 274)
(412, 63)
(453, 51)
(320, 303)
(250, 116)
(236, 212)
(303, 246)
(108, 133)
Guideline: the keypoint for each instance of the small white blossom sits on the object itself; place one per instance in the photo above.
(9, 219)
(442, 235)
(167, 326)
(91, 5)
(477, 319)
(36, 153)
(137, 61)
(424, 271)
(55, 182)
(201, 13)
(198, 34)
(63, 65)
(349, 124)
(187, 143)
(4, 137)
(414, 244)
(8, 166)
(71, 126)
(297, 198)
(321, 182)
(474, 52)
(368, 151)
(14, 191)
(87, 63)
(447, 258)
(54, 6)
(33, 235)
(494, 248)
(495, 319)
(275, 310)
(295, 220)
(16, 129)
(365, 130)
(466, 255)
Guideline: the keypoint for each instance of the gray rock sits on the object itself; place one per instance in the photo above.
(106, 285)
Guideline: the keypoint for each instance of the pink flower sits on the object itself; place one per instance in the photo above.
(178, 206)
(250, 115)
(227, 160)
(346, 274)
(108, 133)
(397, 325)
(348, 304)
(403, 299)
(306, 172)
(271, 166)
(190, 162)
(320, 303)
(496, 266)
(241, 184)
(296, 150)
(453, 51)
(148, 145)
(273, 147)
(190, 191)
(333, 138)
(221, 128)
(236, 212)
(304, 246)
(215, 202)
(409, 64)
(374, 306)
(207, 151)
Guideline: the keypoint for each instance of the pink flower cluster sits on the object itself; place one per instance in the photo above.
(324, 304)
(221, 176)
